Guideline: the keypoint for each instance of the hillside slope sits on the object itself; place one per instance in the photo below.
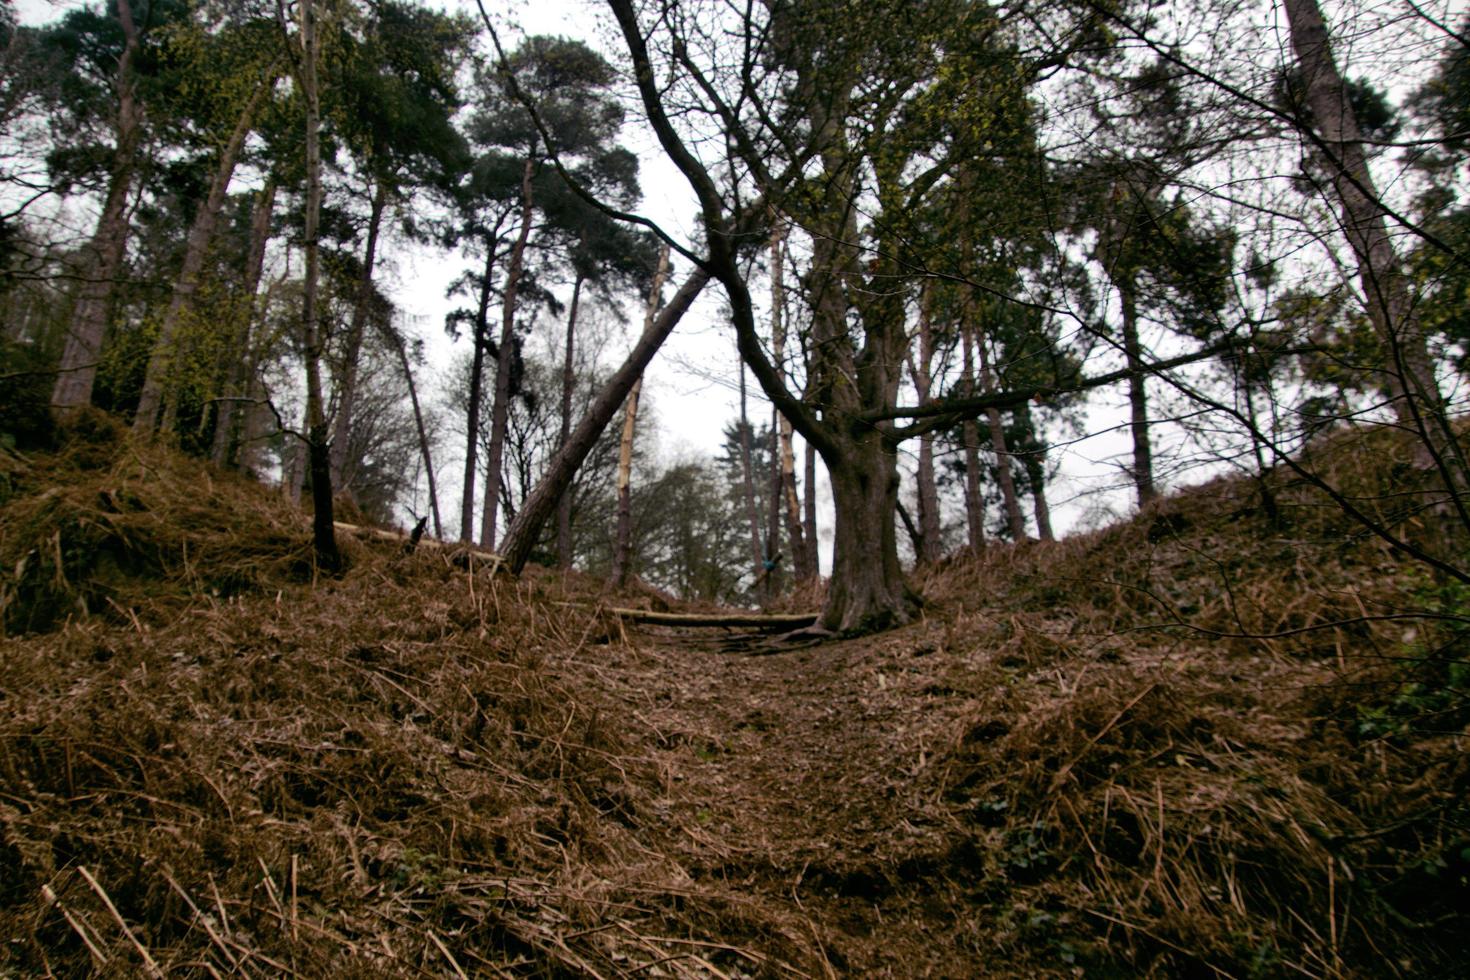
(1199, 743)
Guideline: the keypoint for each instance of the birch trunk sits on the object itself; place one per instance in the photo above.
(786, 490)
(568, 382)
(622, 550)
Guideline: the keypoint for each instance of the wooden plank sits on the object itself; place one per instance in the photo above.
(734, 620)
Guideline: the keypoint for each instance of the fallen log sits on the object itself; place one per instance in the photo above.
(732, 620)
(397, 537)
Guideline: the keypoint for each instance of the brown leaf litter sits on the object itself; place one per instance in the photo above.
(1190, 745)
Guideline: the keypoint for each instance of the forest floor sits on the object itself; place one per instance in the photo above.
(1220, 740)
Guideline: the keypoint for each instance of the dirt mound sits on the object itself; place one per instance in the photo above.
(1224, 739)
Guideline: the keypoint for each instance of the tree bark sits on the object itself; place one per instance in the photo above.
(1143, 457)
(500, 407)
(318, 437)
(77, 371)
(747, 489)
(970, 433)
(930, 546)
(472, 416)
(800, 553)
(568, 382)
(1035, 463)
(622, 550)
(227, 419)
(1418, 402)
(867, 590)
(809, 510)
(521, 537)
(1014, 518)
(347, 390)
(161, 364)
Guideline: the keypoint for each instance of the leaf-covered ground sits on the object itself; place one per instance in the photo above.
(1195, 744)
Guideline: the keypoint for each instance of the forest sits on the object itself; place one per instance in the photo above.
(922, 245)
(954, 244)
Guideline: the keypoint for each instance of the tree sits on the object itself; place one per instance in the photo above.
(1328, 122)
(104, 253)
(622, 547)
(306, 57)
(233, 72)
(394, 102)
(577, 121)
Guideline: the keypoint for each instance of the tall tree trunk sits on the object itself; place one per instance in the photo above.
(161, 365)
(747, 489)
(1418, 402)
(1143, 457)
(786, 491)
(773, 510)
(867, 584)
(347, 390)
(242, 379)
(1014, 517)
(500, 407)
(1035, 462)
(318, 438)
(568, 382)
(809, 510)
(477, 387)
(521, 536)
(930, 547)
(77, 371)
(622, 550)
(970, 433)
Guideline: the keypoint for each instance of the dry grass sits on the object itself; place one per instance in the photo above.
(1196, 744)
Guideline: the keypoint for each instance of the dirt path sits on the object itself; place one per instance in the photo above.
(803, 779)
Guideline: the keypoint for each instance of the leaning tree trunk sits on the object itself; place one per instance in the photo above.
(161, 365)
(323, 533)
(477, 387)
(347, 398)
(396, 339)
(623, 548)
(568, 383)
(77, 371)
(521, 536)
(1418, 402)
(500, 407)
